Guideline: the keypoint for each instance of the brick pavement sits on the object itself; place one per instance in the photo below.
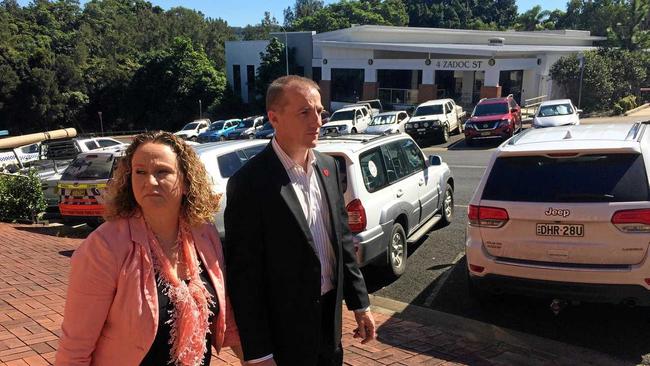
(34, 262)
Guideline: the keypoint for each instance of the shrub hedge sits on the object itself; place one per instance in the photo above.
(21, 197)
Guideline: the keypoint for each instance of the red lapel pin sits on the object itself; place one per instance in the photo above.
(326, 172)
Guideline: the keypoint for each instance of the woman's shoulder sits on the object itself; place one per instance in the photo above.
(114, 236)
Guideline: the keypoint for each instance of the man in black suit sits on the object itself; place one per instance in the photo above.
(290, 258)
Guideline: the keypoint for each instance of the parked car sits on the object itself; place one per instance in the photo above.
(347, 120)
(218, 129)
(245, 129)
(82, 185)
(393, 194)
(192, 130)
(266, 132)
(25, 154)
(559, 112)
(435, 119)
(56, 155)
(375, 106)
(388, 121)
(492, 118)
(564, 213)
(222, 160)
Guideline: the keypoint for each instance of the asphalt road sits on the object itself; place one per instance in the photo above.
(435, 278)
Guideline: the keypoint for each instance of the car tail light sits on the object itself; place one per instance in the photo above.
(475, 268)
(356, 216)
(647, 280)
(483, 216)
(632, 221)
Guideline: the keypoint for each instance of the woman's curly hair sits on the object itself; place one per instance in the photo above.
(199, 203)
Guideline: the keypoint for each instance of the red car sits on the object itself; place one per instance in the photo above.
(493, 118)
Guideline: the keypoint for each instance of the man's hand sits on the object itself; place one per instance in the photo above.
(269, 362)
(366, 326)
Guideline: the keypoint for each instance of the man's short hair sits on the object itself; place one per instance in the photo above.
(275, 92)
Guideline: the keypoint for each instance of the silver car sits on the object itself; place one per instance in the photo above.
(222, 160)
(388, 121)
(559, 112)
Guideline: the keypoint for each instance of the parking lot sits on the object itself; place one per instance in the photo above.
(435, 278)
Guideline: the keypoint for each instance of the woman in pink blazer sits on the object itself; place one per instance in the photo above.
(147, 287)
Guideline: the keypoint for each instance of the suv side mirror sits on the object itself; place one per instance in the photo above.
(513, 110)
(435, 160)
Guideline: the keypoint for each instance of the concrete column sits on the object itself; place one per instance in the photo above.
(427, 92)
(468, 87)
(369, 90)
(326, 73)
(370, 75)
(414, 79)
(325, 96)
(428, 76)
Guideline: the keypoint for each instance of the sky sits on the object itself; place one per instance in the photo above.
(243, 12)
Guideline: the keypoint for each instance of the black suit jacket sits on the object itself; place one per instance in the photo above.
(273, 271)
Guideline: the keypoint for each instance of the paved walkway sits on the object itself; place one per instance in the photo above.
(34, 263)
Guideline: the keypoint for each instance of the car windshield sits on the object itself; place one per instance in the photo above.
(588, 178)
(426, 110)
(246, 123)
(190, 126)
(555, 110)
(89, 167)
(216, 126)
(490, 109)
(383, 120)
(342, 116)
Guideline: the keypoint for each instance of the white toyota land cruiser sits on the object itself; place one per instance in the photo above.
(564, 213)
(393, 194)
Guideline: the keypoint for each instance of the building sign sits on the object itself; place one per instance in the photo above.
(457, 64)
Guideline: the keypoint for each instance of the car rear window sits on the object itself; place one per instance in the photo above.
(588, 178)
(89, 167)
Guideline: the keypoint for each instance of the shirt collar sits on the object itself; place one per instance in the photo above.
(287, 162)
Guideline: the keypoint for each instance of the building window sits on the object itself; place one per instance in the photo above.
(250, 76)
(347, 85)
(316, 74)
(236, 77)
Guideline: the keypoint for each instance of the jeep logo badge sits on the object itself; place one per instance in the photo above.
(557, 212)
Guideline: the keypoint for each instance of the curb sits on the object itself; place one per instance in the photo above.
(479, 331)
(642, 106)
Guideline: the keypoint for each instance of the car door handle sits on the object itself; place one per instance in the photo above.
(399, 193)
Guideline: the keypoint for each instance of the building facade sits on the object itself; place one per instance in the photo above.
(404, 66)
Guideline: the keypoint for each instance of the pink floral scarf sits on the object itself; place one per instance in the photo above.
(189, 318)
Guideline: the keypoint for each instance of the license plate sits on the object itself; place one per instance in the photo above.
(421, 129)
(567, 230)
(78, 192)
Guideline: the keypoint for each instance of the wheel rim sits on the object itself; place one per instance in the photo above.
(397, 250)
(449, 205)
(446, 133)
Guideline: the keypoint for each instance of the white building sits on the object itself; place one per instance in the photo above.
(404, 65)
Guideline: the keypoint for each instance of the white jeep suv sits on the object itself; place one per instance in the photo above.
(564, 213)
(353, 119)
(393, 194)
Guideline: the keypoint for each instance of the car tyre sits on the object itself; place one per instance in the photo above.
(193, 138)
(447, 206)
(222, 138)
(397, 251)
(444, 134)
(251, 137)
(354, 130)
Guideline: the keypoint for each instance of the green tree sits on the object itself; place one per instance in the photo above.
(627, 29)
(597, 85)
(272, 66)
(165, 91)
(345, 13)
(263, 30)
(533, 19)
